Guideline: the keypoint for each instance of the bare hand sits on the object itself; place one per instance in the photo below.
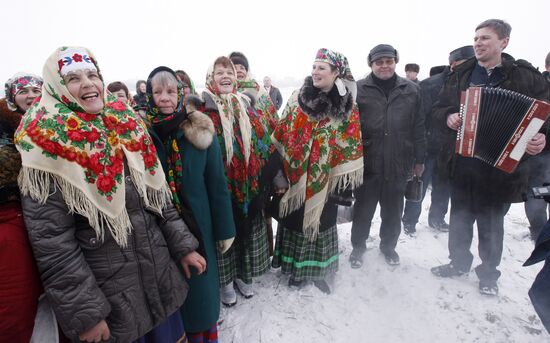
(418, 170)
(100, 332)
(193, 259)
(536, 144)
(454, 121)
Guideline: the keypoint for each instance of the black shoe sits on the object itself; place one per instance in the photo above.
(356, 258)
(447, 270)
(488, 287)
(409, 229)
(392, 258)
(322, 285)
(295, 283)
(439, 225)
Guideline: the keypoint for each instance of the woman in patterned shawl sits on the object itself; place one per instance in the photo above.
(319, 139)
(246, 148)
(97, 207)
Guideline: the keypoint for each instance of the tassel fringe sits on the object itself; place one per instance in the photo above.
(36, 184)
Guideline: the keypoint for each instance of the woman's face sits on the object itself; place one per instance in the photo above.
(121, 95)
(25, 97)
(87, 88)
(322, 75)
(165, 97)
(143, 87)
(224, 78)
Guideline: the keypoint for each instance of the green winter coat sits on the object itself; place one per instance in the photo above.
(205, 189)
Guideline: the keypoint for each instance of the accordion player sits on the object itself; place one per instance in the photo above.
(497, 124)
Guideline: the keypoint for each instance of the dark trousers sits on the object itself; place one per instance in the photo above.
(440, 195)
(536, 209)
(468, 205)
(389, 193)
(539, 294)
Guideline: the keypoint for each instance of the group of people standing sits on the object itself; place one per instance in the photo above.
(140, 224)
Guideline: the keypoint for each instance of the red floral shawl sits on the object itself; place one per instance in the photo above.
(319, 158)
(84, 155)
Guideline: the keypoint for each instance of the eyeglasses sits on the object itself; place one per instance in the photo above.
(387, 61)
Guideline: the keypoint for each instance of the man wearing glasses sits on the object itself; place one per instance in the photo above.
(395, 145)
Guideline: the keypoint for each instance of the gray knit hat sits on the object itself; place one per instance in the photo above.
(382, 50)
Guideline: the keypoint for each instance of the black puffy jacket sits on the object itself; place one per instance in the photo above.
(392, 128)
(86, 280)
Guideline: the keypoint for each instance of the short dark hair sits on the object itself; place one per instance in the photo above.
(501, 28)
(412, 67)
(116, 86)
(547, 60)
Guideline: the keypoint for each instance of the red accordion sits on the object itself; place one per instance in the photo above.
(497, 124)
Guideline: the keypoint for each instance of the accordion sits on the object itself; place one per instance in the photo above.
(497, 124)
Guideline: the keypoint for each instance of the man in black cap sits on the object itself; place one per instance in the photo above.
(411, 72)
(440, 186)
(480, 192)
(393, 137)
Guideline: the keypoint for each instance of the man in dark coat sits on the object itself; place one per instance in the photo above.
(274, 93)
(429, 89)
(479, 192)
(536, 210)
(393, 130)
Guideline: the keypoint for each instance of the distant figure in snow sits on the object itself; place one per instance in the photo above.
(411, 72)
(273, 92)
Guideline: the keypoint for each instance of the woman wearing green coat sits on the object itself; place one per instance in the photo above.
(195, 174)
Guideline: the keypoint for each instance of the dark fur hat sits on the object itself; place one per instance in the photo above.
(412, 67)
(239, 58)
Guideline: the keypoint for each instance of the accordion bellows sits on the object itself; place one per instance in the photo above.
(497, 124)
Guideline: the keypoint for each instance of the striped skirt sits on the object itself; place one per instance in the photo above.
(305, 260)
(246, 258)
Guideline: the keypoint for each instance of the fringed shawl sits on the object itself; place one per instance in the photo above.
(321, 156)
(84, 154)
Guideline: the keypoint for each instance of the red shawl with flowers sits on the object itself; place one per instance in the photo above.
(84, 155)
(319, 158)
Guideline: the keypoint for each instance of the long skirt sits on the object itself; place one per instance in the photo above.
(305, 260)
(208, 336)
(170, 331)
(247, 258)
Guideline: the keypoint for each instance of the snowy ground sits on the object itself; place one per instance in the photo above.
(379, 303)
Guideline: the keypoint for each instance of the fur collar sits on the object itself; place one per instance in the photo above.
(198, 129)
(319, 105)
(9, 117)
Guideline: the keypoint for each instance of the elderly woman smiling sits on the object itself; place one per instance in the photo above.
(246, 148)
(185, 143)
(93, 189)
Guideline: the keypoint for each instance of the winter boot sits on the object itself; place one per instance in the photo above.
(244, 288)
(228, 295)
(447, 270)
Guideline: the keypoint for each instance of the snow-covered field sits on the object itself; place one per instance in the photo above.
(379, 303)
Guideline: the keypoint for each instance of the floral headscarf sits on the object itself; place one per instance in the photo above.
(230, 107)
(84, 154)
(154, 115)
(160, 121)
(18, 82)
(244, 141)
(345, 78)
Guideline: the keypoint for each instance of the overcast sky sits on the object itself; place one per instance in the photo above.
(279, 37)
